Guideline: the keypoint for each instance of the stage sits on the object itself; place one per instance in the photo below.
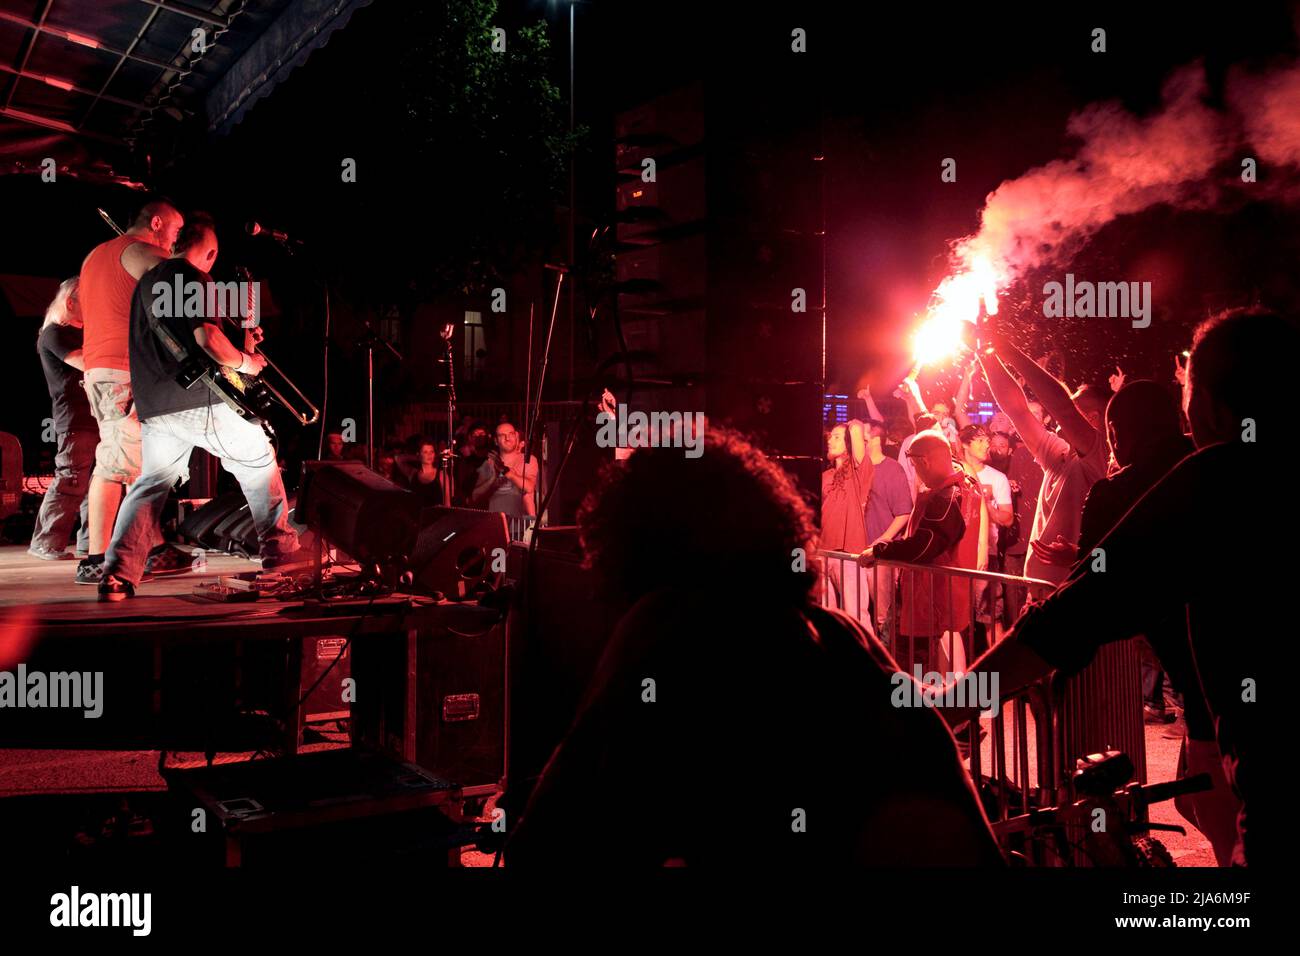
(191, 699)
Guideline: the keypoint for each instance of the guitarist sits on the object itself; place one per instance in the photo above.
(175, 420)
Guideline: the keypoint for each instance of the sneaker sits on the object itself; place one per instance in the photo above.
(167, 560)
(113, 588)
(46, 555)
(89, 572)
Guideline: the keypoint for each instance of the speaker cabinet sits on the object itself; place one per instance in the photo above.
(459, 551)
(355, 509)
(436, 697)
(558, 632)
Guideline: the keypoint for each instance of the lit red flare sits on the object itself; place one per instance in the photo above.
(956, 300)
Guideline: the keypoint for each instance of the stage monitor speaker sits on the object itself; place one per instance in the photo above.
(223, 524)
(459, 551)
(356, 510)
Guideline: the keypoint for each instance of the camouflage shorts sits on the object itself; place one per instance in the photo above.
(117, 456)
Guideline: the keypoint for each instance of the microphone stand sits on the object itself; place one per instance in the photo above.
(370, 340)
(449, 453)
(537, 403)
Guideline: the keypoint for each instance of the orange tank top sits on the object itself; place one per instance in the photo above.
(105, 297)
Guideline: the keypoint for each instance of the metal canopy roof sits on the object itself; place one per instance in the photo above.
(92, 82)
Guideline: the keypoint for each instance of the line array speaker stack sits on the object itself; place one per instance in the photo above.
(721, 258)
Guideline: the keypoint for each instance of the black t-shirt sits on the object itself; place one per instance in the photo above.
(153, 370)
(71, 408)
(1172, 548)
(1106, 504)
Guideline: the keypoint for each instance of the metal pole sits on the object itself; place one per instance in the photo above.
(370, 405)
(573, 198)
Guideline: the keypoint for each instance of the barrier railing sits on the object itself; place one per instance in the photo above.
(941, 619)
(519, 526)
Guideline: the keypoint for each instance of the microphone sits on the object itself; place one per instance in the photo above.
(257, 229)
(556, 267)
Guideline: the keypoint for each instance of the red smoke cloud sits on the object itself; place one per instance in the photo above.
(1186, 154)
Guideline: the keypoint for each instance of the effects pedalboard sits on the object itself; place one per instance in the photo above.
(243, 587)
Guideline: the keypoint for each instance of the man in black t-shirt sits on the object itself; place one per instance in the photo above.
(175, 420)
(59, 346)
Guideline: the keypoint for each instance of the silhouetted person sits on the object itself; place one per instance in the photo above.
(724, 671)
(1147, 441)
(1172, 550)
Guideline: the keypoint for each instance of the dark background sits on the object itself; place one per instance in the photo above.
(896, 92)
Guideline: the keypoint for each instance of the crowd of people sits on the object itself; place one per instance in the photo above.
(725, 674)
(1058, 487)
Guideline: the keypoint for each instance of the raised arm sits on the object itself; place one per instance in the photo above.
(911, 394)
(963, 397)
(1075, 429)
(873, 410)
(857, 440)
(1011, 399)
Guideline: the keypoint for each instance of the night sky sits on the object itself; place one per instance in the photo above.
(900, 92)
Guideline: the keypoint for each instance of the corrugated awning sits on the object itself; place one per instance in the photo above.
(91, 83)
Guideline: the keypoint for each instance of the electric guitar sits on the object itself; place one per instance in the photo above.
(245, 393)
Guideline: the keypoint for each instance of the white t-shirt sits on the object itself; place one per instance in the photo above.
(989, 476)
(909, 469)
(1067, 479)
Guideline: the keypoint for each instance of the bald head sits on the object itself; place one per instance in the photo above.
(158, 222)
(932, 457)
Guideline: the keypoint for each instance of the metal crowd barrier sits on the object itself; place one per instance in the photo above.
(942, 619)
(520, 526)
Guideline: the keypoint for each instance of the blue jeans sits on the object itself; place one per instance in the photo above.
(167, 441)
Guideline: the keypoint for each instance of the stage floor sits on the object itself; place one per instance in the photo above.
(40, 599)
(27, 581)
